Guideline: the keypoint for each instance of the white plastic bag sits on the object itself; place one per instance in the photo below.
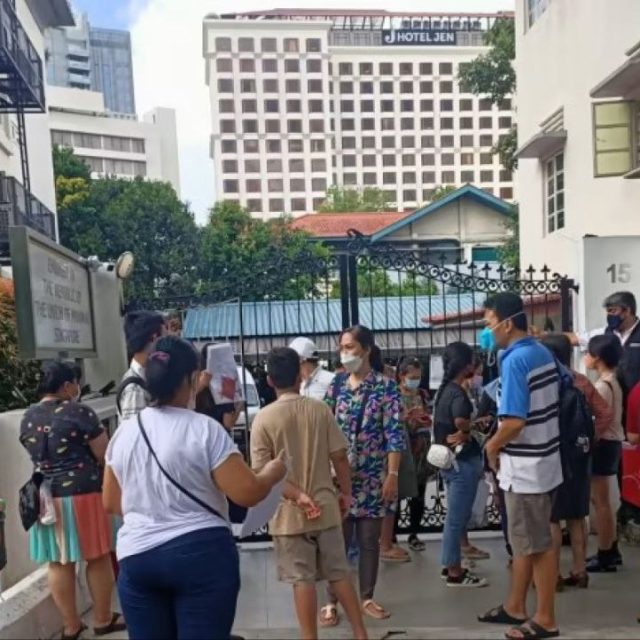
(47, 506)
(479, 516)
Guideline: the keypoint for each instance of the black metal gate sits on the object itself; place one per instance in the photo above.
(415, 301)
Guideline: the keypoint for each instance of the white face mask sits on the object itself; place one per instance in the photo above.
(412, 384)
(351, 362)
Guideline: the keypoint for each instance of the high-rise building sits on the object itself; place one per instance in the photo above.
(115, 144)
(305, 99)
(85, 57)
(112, 68)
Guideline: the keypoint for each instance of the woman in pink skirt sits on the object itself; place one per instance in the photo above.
(67, 444)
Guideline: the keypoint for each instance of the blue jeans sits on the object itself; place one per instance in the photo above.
(462, 486)
(186, 588)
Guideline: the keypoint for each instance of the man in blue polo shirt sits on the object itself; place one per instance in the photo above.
(525, 451)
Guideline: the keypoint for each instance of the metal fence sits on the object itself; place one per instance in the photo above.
(415, 301)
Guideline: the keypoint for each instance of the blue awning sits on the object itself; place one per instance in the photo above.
(324, 317)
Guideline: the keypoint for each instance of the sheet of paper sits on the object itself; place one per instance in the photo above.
(225, 382)
(259, 515)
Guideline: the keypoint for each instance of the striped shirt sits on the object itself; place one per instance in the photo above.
(529, 389)
(134, 398)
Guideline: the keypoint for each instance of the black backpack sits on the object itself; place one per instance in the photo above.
(124, 384)
(577, 430)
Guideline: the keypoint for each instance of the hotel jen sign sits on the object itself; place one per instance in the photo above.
(404, 37)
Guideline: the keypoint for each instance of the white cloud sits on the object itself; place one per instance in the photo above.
(169, 68)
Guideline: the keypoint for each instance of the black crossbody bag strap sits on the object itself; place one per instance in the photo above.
(175, 483)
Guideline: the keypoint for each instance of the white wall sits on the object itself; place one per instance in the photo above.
(165, 130)
(565, 54)
(464, 220)
(80, 111)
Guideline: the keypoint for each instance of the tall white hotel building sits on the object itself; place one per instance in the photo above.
(305, 99)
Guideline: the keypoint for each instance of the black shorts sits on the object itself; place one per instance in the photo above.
(571, 499)
(607, 455)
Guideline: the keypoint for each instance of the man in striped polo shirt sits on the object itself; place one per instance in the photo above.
(525, 451)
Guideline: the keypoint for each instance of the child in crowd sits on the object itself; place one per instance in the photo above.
(603, 355)
(307, 527)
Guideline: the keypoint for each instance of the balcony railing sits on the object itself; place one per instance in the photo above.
(21, 75)
(13, 212)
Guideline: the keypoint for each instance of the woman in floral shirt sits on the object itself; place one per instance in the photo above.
(367, 409)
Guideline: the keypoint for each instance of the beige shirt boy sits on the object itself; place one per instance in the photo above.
(307, 431)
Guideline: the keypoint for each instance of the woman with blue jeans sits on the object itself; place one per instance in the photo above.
(168, 473)
(452, 424)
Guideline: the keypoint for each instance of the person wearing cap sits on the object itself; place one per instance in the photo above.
(315, 380)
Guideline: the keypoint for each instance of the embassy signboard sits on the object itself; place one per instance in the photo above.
(428, 37)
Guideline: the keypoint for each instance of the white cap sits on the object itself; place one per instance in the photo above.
(305, 348)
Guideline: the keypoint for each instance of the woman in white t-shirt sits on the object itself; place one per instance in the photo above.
(168, 473)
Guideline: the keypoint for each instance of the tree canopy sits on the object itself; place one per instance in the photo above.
(345, 200)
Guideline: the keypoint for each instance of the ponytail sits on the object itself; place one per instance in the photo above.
(375, 359)
(456, 357)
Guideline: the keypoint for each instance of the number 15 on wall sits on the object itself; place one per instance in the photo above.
(620, 273)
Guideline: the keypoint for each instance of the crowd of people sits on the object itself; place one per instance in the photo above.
(350, 444)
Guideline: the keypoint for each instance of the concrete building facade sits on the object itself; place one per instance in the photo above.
(302, 100)
(115, 145)
(86, 57)
(27, 193)
(578, 105)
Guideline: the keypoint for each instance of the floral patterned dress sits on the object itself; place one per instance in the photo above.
(376, 404)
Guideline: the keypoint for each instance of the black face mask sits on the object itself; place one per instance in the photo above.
(614, 321)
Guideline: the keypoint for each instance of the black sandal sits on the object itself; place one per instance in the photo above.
(112, 627)
(76, 635)
(499, 615)
(531, 630)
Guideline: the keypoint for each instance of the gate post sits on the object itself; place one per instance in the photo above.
(344, 289)
(353, 290)
(567, 286)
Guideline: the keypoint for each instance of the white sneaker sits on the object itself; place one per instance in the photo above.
(467, 581)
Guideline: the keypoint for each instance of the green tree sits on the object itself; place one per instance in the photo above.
(19, 377)
(109, 216)
(246, 255)
(67, 164)
(442, 191)
(509, 252)
(344, 200)
(375, 282)
(492, 74)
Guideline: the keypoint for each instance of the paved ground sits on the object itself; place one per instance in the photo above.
(423, 607)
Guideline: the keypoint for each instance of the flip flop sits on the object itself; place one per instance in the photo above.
(395, 554)
(531, 630)
(378, 612)
(499, 615)
(329, 616)
(112, 627)
(76, 635)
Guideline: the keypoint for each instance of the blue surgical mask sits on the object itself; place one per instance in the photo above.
(412, 384)
(613, 321)
(487, 340)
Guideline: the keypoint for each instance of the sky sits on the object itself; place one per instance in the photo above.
(169, 67)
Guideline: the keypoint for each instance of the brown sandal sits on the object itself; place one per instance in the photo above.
(378, 613)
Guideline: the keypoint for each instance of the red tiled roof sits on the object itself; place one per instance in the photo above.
(336, 225)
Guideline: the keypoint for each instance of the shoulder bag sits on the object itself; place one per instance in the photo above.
(174, 482)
